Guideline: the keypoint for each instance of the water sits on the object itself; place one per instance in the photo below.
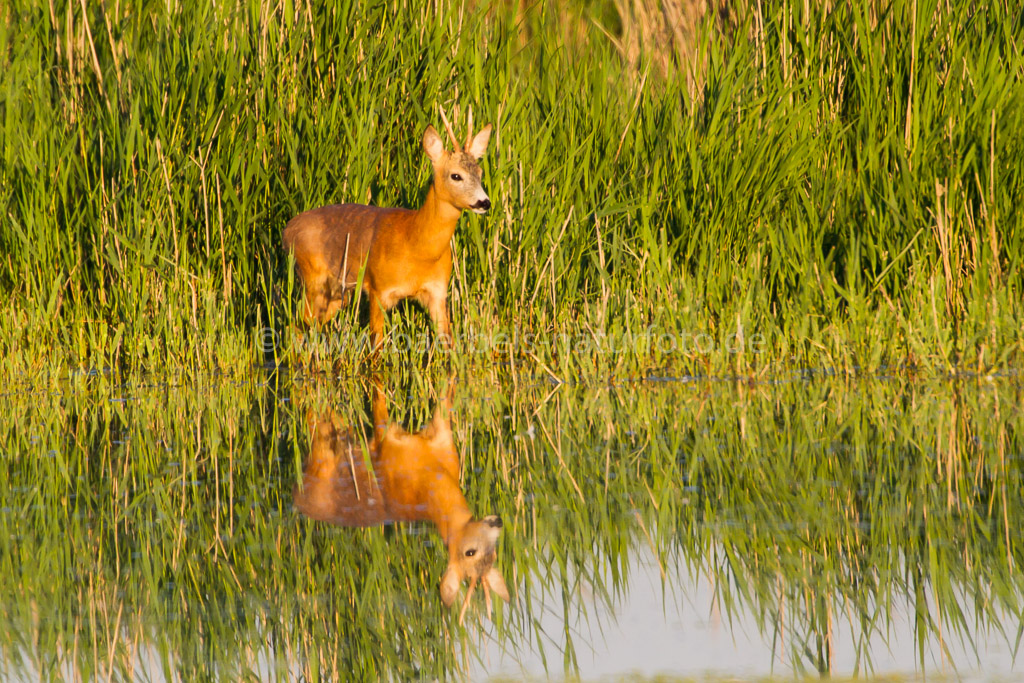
(677, 629)
(702, 528)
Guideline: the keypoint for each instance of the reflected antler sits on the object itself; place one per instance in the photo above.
(465, 603)
(448, 127)
(486, 581)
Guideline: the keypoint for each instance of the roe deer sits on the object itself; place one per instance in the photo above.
(407, 253)
(414, 477)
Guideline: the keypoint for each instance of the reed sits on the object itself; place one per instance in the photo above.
(147, 529)
(836, 185)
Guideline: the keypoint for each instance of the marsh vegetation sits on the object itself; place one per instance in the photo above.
(839, 183)
(149, 530)
(743, 326)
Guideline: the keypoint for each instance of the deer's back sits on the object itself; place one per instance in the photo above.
(321, 237)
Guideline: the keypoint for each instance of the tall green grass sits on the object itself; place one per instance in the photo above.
(838, 184)
(147, 529)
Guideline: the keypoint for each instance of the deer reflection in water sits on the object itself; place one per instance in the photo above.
(414, 477)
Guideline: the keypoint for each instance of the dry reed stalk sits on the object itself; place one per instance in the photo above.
(668, 34)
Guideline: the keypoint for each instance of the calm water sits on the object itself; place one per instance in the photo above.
(254, 529)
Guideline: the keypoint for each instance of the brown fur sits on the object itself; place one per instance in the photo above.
(413, 477)
(406, 253)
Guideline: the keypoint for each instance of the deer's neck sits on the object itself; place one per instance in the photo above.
(435, 223)
(447, 507)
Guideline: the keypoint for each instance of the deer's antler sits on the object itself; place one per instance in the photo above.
(448, 127)
(469, 131)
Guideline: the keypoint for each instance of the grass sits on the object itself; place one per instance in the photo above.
(791, 193)
(147, 529)
(832, 186)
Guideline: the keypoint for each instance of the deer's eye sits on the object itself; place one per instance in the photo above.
(471, 552)
(456, 177)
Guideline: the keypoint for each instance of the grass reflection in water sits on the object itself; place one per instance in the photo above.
(149, 530)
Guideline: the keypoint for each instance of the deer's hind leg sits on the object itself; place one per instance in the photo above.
(317, 301)
(339, 298)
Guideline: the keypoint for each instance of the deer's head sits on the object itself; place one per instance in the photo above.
(471, 553)
(456, 172)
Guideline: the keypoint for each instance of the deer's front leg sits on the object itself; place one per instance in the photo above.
(437, 306)
(376, 323)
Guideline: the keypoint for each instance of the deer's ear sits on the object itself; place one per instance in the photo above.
(450, 585)
(478, 145)
(432, 144)
(496, 583)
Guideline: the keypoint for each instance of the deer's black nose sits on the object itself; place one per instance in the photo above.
(484, 204)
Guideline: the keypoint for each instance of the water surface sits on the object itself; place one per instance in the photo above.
(688, 528)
